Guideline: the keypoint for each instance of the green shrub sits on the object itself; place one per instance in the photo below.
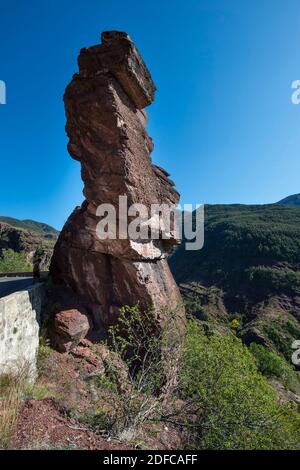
(44, 352)
(238, 409)
(97, 419)
(194, 308)
(292, 328)
(271, 280)
(139, 340)
(150, 354)
(234, 324)
(280, 340)
(201, 314)
(269, 363)
(105, 382)
(11, 261)
(37, 392)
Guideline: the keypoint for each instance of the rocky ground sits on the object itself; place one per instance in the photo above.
(46, 424)
(69, 406)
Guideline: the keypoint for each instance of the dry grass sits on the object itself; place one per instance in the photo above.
(11, 389)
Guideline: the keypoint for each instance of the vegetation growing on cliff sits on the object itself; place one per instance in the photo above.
(237, 407)
(20, 239)
(220, 399)
(239, 237)
(248, 272)
(11, 261)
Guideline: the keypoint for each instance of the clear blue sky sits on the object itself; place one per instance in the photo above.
(223, 122)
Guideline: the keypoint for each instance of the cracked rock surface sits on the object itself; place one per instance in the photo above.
(106, 126)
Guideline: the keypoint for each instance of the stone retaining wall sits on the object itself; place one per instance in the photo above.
(19, 330)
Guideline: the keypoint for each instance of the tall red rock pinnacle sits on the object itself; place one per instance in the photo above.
(106, 126)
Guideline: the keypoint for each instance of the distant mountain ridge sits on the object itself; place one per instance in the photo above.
(293, 200)
(43, 230)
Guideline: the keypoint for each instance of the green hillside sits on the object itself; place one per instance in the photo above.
(247, 276)
(20, 240)
(293, 200)
(239, 238)
(41, 229)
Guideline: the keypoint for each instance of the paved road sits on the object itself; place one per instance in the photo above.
(8, 285)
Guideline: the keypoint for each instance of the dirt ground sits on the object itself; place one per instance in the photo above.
(44, 424)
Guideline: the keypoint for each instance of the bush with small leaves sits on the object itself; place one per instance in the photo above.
(238, 409)
(271, 364)
(11, 261)
(234, 324)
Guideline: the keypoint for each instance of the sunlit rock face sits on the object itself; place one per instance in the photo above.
(106, 126)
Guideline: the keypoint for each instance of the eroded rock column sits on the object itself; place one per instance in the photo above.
(106, 126)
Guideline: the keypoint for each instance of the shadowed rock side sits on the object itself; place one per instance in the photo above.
(106, 125)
